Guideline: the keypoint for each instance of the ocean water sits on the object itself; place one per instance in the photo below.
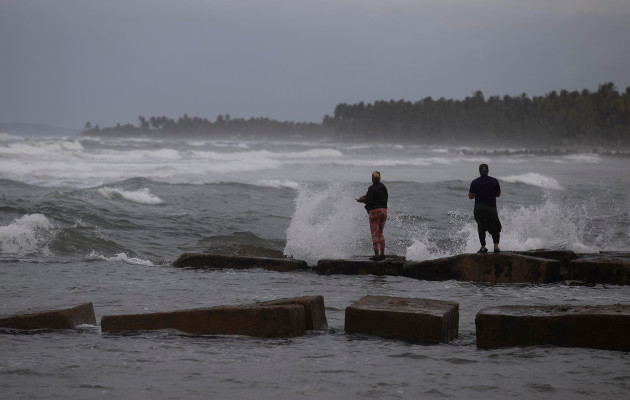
(86, 219)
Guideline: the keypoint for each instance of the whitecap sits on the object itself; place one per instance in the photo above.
(313, 153)
(579, 159)
(142, 196)
(120, 257)
(534, 179)
(278, 183)
(29, 234)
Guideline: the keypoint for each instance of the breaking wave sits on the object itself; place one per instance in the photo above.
(278, 183)
(142, 196)
(553, 224)
(534, 179)
(28, 234)
(327, 223)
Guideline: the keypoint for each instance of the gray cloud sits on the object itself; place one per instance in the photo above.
(66, 62)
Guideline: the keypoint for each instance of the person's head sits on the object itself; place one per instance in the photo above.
(483, 170)
(376, 177)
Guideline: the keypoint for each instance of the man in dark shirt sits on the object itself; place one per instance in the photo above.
(376, 205)
(485, 191)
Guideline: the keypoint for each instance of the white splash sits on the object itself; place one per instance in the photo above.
(534, 179)
(28, 234)
(142, 196)
(327, 223)
(552, 225)
(120, 257)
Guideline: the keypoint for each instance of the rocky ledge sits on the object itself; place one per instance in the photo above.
(534, 266)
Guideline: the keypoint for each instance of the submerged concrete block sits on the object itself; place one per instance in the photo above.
(68, 318)
(218, 261)
(392, 265)
(491, 268)
(611, 269)
(314, 310)
(250, 320)
(415, 320)
(600, 327)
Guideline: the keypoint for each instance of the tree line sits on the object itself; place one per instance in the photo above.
(564, 118)
(582, 117)
(196, 127)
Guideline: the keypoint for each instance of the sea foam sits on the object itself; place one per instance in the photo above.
(142, 196)
(120, 257)
(28, 234)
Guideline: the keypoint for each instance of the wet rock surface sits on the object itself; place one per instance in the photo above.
(411, 319)
(286, 320)
(563, 256)
(65, 318)
(314, 310)
(606, 268)
(600, 327)
(220, 261)
(244, 250)
(490, 268)
(391, 265)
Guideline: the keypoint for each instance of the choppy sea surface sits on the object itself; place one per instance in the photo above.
(87, 219)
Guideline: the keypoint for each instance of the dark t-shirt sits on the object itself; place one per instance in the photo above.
(485, 189)
(376, 197)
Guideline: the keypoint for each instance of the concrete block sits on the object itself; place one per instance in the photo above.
(315, 312)
(600, 327)
(491, 268)
(250, 320)
(563, 256)
(67, 318)
(411, 319)
(607, 269)
(217, 261)
(392, 265)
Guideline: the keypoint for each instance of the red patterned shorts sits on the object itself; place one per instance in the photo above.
(378, 217)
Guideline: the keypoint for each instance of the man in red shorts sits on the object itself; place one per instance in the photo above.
(376, 205)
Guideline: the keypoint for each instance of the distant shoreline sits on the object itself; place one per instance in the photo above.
(583, 119)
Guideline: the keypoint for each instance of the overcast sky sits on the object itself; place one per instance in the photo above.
(65, 62)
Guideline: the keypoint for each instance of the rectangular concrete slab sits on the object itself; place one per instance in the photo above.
(600, 327)
(315, 312)
(593, 269)
(250, 320)
(391, 265)
(491, 268)
(66, 318)
(217, 261)
(411, 319)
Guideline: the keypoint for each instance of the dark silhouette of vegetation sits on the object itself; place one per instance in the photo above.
(599, 118)
(565, 118)
(195, 127)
